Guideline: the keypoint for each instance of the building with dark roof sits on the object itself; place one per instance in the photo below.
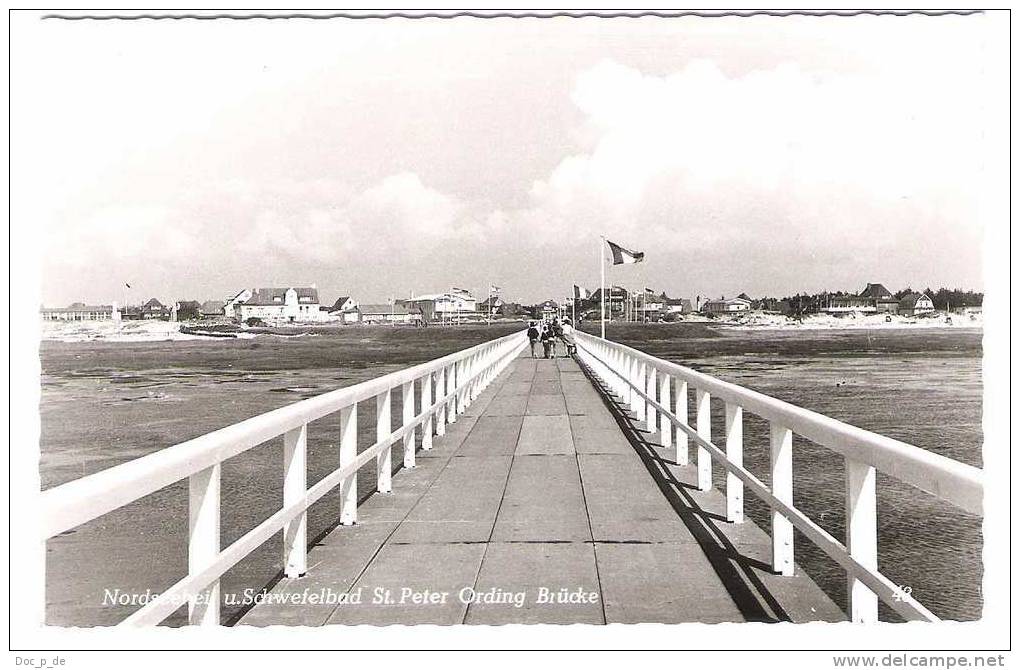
(280, 305)
(881, 298)
(211, 309)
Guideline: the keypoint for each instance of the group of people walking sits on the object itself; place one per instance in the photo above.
(548, 334)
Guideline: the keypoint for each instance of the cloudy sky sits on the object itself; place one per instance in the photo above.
(380, 158)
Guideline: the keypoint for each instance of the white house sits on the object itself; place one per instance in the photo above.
(345, 309)
(282, 305)
(727, 306)
(79, 311)
(444, 306)
(230, 306)
(913, 304)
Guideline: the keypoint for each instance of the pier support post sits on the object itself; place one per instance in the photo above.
(349, 452)
(703, 402)
(665, 426)
(441, 393)
(295, 487)
(204, 542)
(383, 428)
(683, 456)
(782, 488)
(651, 414)
(407, 412)
(861, 538)
(735, 455)
(426, 402)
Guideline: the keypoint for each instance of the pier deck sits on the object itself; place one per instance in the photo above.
(542, 483)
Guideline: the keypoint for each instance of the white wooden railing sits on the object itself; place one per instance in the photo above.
(447, 386)
(657, 392)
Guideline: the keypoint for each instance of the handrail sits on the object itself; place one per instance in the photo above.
(457, 378)
(634, 376)
(81, 500)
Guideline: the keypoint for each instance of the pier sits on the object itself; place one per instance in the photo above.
(565, 490)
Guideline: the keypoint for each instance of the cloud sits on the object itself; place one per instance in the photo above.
(768, 172)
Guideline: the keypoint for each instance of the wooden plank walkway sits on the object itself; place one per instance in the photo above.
(537, 486)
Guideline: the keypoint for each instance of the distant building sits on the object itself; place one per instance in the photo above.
(281, 305)
(388, 313)
(616, 300)
(677, 305)
(841, 304)
(547, 310)
(453, 306)
(344, 309)
(211, 309)
(726, 306)
(155, 310)
(491, 305)
(188, 310)
(511, 309)
(231, 307)
(649, 303)
(343, 304)
(79, 311)
(913, 304)
(881, 298)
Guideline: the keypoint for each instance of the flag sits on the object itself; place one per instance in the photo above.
(581, 293)
(623, 256)
(648, 290)
(460, 290)
(494, 288)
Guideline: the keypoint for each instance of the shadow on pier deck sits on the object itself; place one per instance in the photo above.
(544, 483)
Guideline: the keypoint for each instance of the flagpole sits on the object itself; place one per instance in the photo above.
(602, 267)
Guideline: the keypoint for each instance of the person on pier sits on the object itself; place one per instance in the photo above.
(533, 337)
(548, 342)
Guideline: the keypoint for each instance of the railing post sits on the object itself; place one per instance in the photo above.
(639, 382)
(468, 393)
(451, 384)
(204, 542)
(407, 410)
(476, 369)
(426, 402)
(441, 410)
(861, 538)
(782, 488)
(666, 426)
(622, 375)
(735, 455)
(683, 457)
(627, 376)
(651, 414)
(349, 452)
(383, 429)
(295, 487)
(703, 402)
